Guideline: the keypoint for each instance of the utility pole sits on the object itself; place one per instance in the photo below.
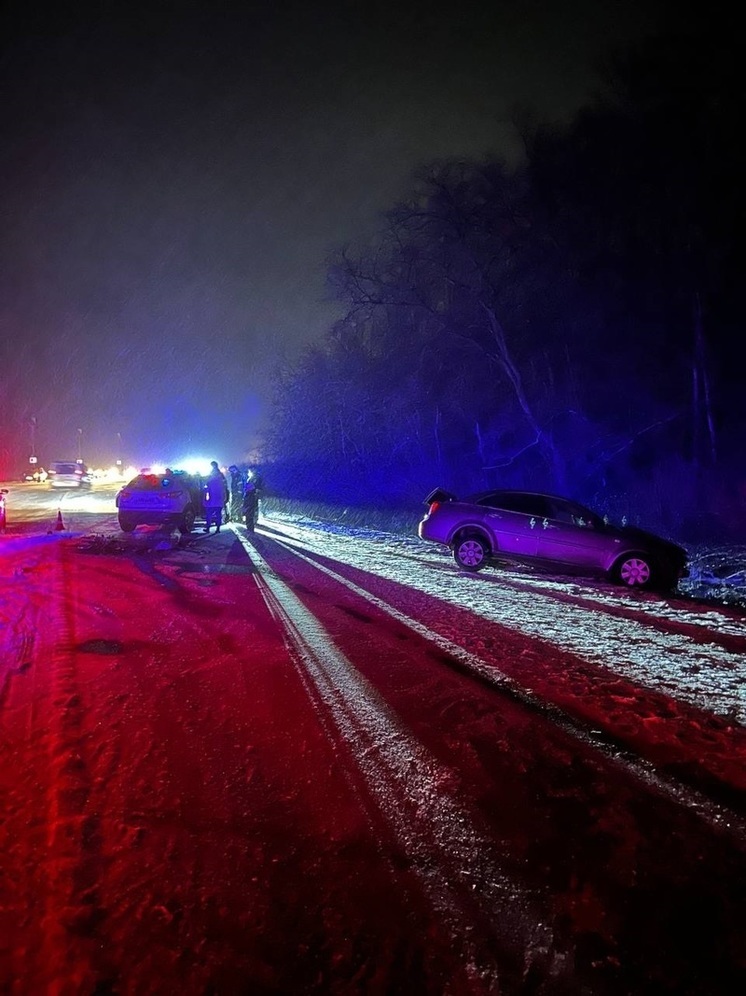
(32, 457)
(32, 424)
(80, 445)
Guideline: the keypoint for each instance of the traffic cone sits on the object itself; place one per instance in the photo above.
(60, 524)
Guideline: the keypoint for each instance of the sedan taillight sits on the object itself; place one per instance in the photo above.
(433, 508)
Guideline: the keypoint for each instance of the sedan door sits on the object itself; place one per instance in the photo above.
(514, 520)
(570, 534)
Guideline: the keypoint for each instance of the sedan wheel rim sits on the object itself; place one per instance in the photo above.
(635, 572)
(470, 553)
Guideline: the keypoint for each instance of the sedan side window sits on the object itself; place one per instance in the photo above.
(535, 505)
(563, 513)
(572, 514)
(496, 501)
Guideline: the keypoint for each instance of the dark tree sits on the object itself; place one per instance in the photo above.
(566, 325)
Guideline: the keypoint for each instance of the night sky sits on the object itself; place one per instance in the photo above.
(175, 175)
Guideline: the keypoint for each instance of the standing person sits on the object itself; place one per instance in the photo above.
(214, 497)
(236, 485)
(255, 475)
(251, 501)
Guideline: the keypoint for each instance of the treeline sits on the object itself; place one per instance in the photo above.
(568, 324)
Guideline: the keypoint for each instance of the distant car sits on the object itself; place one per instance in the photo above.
(69, 474)
(34, 476)
(173, 497)
(538, 528)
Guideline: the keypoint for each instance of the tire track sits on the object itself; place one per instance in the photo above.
(707, 676)
(715, 814)
(72, 910)
(453, 860)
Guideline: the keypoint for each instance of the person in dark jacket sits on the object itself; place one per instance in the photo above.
(251, 499)
(236, 484)
(214, 497)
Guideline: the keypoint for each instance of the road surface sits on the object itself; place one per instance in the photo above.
(235, 764)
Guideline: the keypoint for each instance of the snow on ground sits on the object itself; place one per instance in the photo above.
(694, 654)
(681, 661)
(164, 826)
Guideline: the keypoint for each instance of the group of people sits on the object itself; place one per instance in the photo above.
(224, 501)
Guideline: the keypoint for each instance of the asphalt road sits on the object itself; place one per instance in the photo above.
(32, 506)
(233, 766)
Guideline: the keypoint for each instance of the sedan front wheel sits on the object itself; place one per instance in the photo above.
(470, 553)
(634, 571)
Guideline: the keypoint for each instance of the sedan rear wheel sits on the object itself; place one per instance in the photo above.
(635, 571)
(470, 553)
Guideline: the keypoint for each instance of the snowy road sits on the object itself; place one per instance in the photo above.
(314, 761)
